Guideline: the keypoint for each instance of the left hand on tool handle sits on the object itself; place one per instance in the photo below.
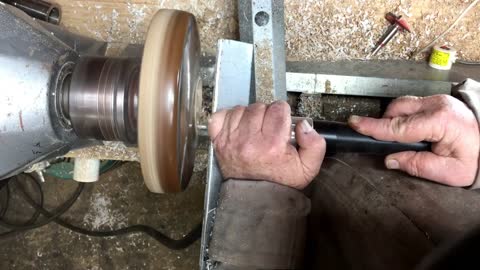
(254, 143)
(443, 120)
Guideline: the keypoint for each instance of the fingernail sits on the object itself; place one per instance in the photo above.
(305, 126)
(392, 164)
(354, 119)
(209, 120)
(277, 102)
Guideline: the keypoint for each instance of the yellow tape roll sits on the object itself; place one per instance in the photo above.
(442, 57)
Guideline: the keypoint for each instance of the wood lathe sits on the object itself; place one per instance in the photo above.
(55, 99)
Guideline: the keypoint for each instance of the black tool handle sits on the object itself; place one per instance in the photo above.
(39, 9)
(343, 139)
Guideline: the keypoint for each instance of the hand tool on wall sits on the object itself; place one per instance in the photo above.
(397, 24)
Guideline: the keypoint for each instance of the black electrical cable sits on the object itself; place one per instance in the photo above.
(58, 212)
(33, 218)
(3, 184)
(182, 243)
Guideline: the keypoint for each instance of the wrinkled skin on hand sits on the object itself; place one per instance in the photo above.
(253, 143)
(443, 120)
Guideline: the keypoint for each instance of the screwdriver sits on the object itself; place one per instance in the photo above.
(397, 24)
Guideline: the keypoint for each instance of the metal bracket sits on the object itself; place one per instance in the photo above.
(262, 23)
(232, 87)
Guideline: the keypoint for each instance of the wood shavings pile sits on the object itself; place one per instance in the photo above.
(127, 21)
(107, 151)
(338, 30)
(315, 30)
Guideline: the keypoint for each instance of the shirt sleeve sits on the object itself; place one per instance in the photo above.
(469, 92)
(259, 225)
